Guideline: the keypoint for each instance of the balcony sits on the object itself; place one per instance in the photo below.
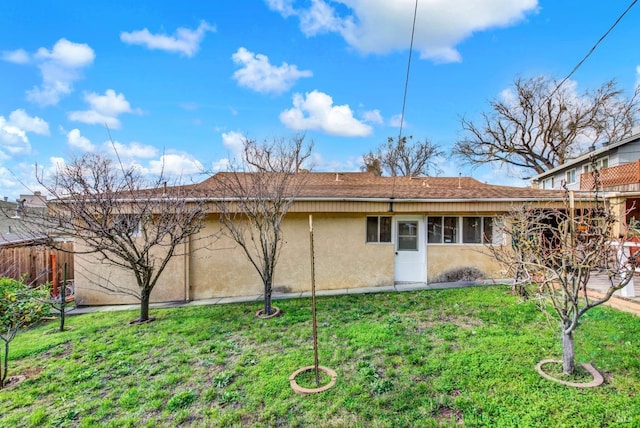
(623, 177)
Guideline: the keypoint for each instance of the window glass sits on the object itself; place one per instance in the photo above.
(372, 229)
(385, 229)
(475, 230)
(450, 230)
(471, 230)
(127, 225)
(487, 230)
(408, 235)
(434, 227)
(379, 229)
(571, 176)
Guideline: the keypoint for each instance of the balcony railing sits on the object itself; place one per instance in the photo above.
(619, 175)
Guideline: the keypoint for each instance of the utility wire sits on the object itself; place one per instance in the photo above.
(404, 97)
(406, 80)
(593, 48)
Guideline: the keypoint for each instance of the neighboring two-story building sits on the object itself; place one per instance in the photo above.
(618, 176)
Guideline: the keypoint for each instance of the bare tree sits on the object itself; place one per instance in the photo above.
(540, 125)
(110, 212)
(554, 253)
(257, 196)
(403, 158)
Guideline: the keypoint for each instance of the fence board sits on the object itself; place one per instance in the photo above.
(33, 262)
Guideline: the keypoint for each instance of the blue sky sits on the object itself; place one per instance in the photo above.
(180, 84)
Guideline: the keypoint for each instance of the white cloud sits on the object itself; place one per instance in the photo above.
(67, 54)
(34, 124)
(13, 132)
(234, 142)
(315, 111)
(75, 139)
(12, 137)
(132, 150)
(382, 26)
(19, 56)
(258, 74)
(175, 165)
(396, 120)
(284, 7)
(184, 41)
(105, 109)
(60, 67)
(221, 165)
(373, 116)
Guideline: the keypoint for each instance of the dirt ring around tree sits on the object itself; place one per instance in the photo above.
(304, 391)
(138, 321)
(598, 379)
(14, 381)
(275, 312)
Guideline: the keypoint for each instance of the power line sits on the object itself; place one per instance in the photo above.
(406, 80)
(593, 48)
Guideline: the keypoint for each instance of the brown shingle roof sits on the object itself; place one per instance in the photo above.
(364, 185)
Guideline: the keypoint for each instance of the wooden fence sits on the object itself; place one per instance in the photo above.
(35, 262)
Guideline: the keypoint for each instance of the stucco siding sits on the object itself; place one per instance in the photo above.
(443, 258)
(98, 282)
(217, 267)
(342, 259)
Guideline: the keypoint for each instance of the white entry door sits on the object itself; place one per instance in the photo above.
(410, 258)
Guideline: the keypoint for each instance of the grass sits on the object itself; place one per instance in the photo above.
(459, 357)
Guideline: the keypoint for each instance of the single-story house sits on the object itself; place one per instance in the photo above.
(369, 231)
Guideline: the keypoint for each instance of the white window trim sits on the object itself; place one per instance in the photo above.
(496, 239)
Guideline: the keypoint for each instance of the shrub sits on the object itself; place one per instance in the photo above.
(464, 273)
(20, 307)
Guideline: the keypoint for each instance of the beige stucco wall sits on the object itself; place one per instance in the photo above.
(211, 265)
(443, 258)
(99, 282)
(342, 259)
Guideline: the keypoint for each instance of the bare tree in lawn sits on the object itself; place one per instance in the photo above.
(538, 125)
(555, 252)
(126, 221)
(257, 195)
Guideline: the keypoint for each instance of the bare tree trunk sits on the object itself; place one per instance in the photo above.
(144, 305)
(568, 356)
(5, 364)
(268, 283)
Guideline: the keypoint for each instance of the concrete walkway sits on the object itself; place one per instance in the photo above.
(281, 296)
(631, 305)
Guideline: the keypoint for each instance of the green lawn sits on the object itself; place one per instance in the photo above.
(461, 357)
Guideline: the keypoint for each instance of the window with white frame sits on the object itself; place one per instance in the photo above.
(548, 183)
(465, 230)
(127, 225)
(378, 229)
(570, 176)
(597, 165)
(442, 230)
